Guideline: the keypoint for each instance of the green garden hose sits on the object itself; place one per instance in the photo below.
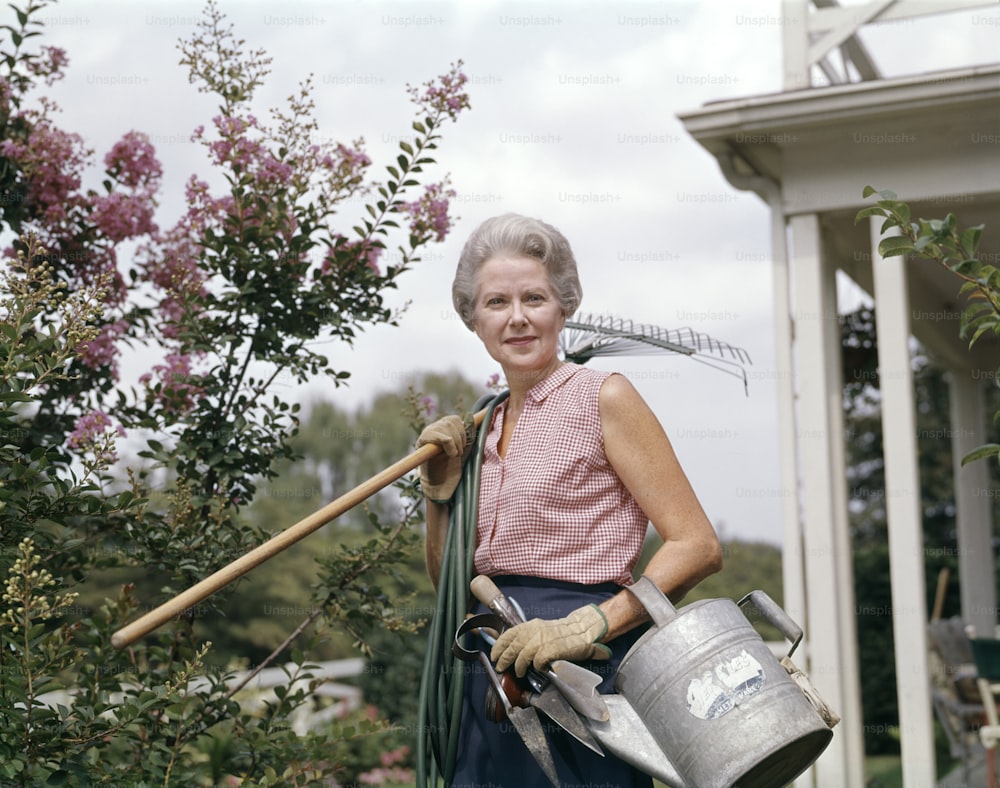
(443, 678)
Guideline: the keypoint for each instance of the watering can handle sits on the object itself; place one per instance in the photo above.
(773, 613)
(660, 609)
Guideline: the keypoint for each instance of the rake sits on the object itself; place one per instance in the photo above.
(589, 336)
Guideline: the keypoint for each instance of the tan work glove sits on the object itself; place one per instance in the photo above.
(439, 476)
(540, 642)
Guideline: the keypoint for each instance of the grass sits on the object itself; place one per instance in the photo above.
(883, 771)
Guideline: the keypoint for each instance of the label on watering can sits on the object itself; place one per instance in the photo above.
(716, 691)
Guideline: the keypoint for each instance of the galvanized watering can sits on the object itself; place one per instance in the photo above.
(703, 703)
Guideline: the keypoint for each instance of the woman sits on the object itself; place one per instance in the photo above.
(575, 466)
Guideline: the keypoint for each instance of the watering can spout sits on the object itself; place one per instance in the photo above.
(625, 735)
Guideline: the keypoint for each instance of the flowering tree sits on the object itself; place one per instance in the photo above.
(228, 302)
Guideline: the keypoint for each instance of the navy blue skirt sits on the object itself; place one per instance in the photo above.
(492, 754)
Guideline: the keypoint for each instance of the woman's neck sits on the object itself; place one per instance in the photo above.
(520, 383)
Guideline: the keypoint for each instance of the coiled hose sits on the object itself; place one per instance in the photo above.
(443, 678)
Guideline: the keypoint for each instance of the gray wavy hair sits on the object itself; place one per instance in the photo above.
(519, 235)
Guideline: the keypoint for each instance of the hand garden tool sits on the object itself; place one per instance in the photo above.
(575, 683)
(524, 719)
(538, 691)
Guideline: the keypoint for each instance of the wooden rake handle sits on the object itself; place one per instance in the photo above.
(204, 588)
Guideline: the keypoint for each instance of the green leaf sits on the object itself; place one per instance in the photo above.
(890, 222)
(980, 331)
(902, 210)
(977, 309)
(970, 240)
(968, 267)
(868, 191)
(895, 245)
(987, 450)
(872, 210)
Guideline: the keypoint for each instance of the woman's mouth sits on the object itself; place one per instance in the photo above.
(520, 340)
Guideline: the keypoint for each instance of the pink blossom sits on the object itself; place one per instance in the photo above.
(272, 171)
(171, 265)
(203, 209)
(132, 161)
(89, 432)
(49, 65)
(244, 154)
(51, 161)
(176, 391)
(120, 216)
(444, 96)
(338, 169)
(429, 406)
(360, 251)
(429, 214)
(395, 776)
(355, 157)
(102, 351)
(394, 756)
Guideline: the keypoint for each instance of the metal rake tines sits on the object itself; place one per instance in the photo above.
(587, 336)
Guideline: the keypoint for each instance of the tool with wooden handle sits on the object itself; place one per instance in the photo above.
(575, 683)
(536, 690)
(524, 719)
(276, 544)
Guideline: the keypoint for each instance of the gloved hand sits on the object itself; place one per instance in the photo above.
(540, 642)
(439, 476)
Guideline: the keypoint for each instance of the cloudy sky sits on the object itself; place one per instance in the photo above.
(573, 120)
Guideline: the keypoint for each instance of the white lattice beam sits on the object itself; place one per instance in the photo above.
(810, 34)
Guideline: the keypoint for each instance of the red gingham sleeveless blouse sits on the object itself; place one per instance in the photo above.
(553, 506)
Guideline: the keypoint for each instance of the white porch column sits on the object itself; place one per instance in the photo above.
(973, 505)
(792, 569)
(793, 586)
(903, 515)
(833, 661)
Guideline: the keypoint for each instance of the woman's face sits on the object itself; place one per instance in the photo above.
(517, 315)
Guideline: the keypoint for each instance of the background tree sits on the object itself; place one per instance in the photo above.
(867, 512)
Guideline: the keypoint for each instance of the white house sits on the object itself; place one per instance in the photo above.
(807, 152)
